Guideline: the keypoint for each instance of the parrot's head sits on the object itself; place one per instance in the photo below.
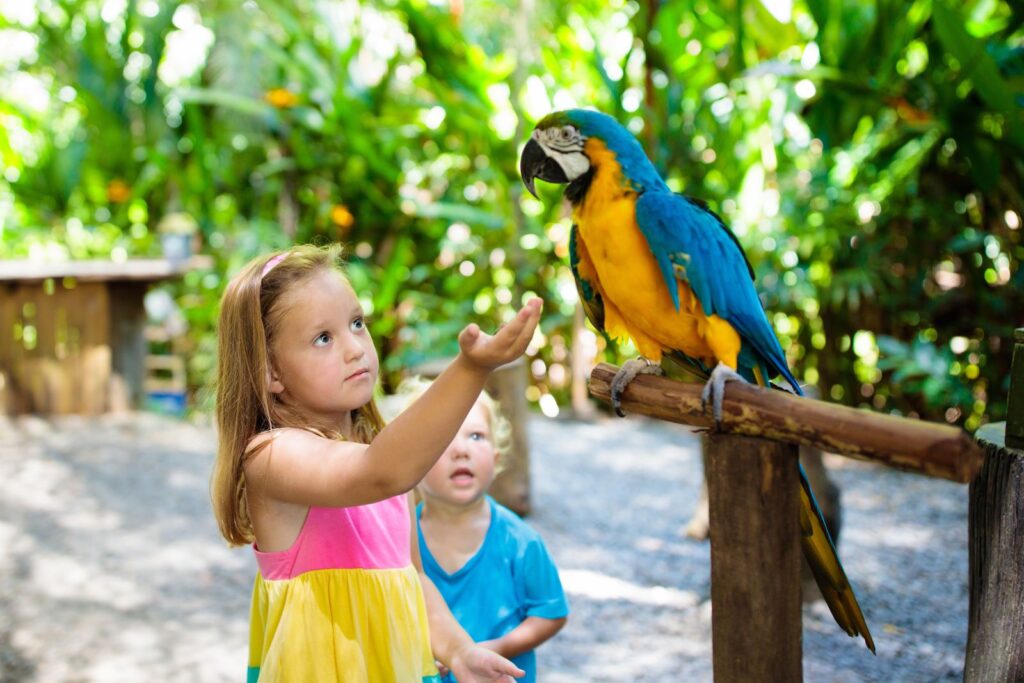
(554, 152)
(557, 151)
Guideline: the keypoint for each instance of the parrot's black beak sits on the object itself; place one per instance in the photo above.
(535, 163)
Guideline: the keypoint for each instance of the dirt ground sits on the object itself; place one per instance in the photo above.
(113, 570)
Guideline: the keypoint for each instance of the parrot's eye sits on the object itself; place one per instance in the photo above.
(567, 133)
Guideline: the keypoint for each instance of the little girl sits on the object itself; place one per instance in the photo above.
(492, 569)
(306, 472)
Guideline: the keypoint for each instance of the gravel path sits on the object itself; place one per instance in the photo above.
(113, 570)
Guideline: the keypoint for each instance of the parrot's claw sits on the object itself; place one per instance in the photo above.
(626, 374)
(715, 390)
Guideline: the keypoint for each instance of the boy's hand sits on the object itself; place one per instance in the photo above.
(507, 344)
(477, 664)
(441, 668)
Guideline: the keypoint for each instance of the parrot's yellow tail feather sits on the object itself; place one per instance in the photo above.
(828, 573)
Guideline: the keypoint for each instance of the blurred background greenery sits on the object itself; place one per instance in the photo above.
(868, 155)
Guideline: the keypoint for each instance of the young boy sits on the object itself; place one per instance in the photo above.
(491, 568)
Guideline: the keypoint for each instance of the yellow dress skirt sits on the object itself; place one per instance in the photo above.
(344, 603)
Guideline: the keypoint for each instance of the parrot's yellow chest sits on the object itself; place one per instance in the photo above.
(637, 301)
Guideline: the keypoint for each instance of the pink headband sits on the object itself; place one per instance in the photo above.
(271, 263)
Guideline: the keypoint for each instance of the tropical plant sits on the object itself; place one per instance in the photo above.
(867, 155)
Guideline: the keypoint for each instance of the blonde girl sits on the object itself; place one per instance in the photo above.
(307, 473)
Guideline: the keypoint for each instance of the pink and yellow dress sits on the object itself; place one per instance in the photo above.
(344, 603)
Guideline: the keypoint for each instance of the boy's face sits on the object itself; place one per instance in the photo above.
(466, 468)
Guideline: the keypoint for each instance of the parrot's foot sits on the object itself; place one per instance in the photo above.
(715, 390)
(626, 374)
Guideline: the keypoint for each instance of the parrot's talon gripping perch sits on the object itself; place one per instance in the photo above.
(626, 374)
(715, 390)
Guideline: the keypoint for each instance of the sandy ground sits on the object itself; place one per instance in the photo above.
(112, 568)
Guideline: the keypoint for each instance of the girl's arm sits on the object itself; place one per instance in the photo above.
(451, 645)
(527, 636)
(302, 468)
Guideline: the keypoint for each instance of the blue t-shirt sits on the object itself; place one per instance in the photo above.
(510, 577)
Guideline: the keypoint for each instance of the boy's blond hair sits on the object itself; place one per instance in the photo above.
(412, 388)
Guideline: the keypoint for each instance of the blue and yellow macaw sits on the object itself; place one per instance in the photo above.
(665, 271)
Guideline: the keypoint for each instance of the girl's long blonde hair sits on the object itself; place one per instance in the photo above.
(250, 314)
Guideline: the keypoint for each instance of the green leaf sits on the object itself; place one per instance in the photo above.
(978, 66)
(394, 275)
(228, 100)
(460, 212)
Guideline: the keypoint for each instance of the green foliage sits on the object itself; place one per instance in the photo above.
(868, 156)
(921, 367)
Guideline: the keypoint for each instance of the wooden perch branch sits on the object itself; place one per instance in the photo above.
(913, 445)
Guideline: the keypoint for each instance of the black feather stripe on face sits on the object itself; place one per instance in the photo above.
(577, 189)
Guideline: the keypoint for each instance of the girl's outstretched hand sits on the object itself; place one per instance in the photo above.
(507, 344)
(477, 664)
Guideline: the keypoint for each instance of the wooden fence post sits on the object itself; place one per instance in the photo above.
(995, 634)
(511, 488)
(754, 492)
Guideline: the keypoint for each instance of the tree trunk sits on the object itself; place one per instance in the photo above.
(511, 488)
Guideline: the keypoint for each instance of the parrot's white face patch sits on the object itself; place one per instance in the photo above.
(565, 145)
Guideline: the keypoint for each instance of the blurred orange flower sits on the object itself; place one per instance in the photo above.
(282, 98)
(118, 191)
(341, 216)
(907, 111)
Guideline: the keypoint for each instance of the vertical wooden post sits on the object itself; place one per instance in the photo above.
(128, 345)
(995, 527)
(1015, 400)
(581, 360)
(756, 630)
(507, 385)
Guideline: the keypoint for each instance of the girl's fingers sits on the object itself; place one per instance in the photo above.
(515, 326)
(527, 316)
(531, 308)
(469, 335)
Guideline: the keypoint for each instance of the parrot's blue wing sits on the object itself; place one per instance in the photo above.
(701, 204)
(691, 243)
